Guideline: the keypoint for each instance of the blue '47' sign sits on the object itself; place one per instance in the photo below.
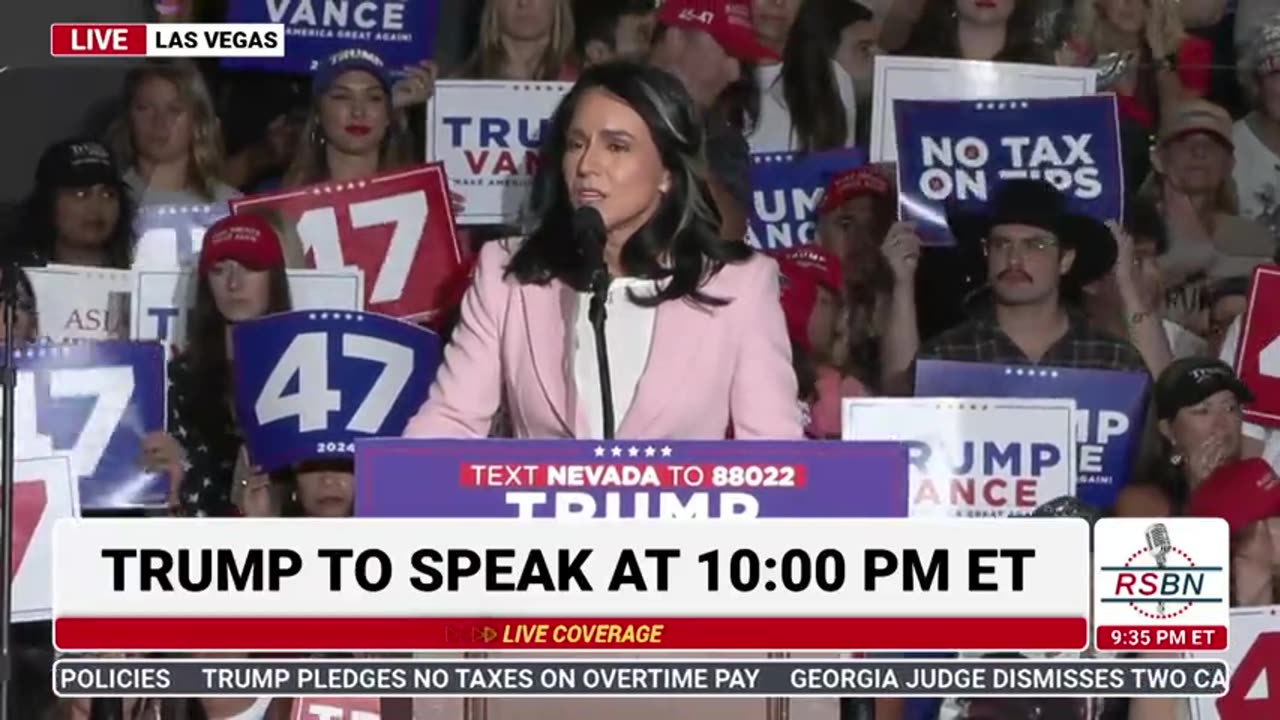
(309, 383)
(93, 403)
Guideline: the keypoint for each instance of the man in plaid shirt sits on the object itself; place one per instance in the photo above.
(1037, 255)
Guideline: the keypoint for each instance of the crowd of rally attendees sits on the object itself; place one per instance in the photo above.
(1159, 290)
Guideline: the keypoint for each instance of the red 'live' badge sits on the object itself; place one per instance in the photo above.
(29, 501)
(1258, 354)
(397, 228)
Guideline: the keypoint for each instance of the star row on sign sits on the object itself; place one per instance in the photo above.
(186, 209)
(1031, 372)
(46, 351)
(1005, 105)
(338, 187)
(335, 315)
(633, 451)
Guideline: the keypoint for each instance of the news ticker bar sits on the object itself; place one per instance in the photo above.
(631, 678)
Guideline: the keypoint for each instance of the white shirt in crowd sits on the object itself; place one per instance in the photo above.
(144, 195)
(1269, 437)
(773, 132)
(628, 334)
(1257, 177)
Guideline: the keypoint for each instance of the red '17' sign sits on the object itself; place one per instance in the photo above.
(396, 227)
(1258, 354)
(348, 708)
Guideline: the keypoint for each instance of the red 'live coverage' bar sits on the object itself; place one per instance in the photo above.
(98, 39)
(398, 633)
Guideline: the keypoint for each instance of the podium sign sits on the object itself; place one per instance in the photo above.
(634, 479)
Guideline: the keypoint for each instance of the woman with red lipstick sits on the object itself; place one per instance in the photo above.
(352, 131)
(169, 137)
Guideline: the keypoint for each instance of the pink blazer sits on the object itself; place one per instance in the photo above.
(709, 368)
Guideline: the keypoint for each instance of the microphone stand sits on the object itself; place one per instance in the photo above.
(9, 379)
(596, 313)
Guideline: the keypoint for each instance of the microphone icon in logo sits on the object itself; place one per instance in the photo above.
(1159, 545)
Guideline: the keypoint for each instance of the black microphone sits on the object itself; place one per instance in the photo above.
(589, 234)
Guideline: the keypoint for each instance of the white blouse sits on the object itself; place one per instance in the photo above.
(628, 330)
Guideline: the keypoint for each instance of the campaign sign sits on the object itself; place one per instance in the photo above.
(92, 403)
(786, 190)
(43, 493)
(309, 382)
(980, 457)
(81, 303)
(397, 228)
(162, 299)
(170, 236)
(955, 153)
(1111, 411)
(337, 708)
(1254, 661)
(918, 78)
(401, 32)
(487, 133)
(632, 479)
(1258, 352)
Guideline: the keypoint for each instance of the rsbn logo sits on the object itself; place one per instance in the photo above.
(1159, 581)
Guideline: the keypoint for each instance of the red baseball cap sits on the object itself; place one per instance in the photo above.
(805, 270)
(248, 239)
(1241, 493)
(728, 21)
(851, 184)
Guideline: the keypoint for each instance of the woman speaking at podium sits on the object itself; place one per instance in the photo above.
(694, 332)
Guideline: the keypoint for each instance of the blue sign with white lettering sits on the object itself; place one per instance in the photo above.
(93, 403)
(954, 153)
(170, 236)
(1111, 410)
(401, 32)
(309, 383)
(786, 190)
(658, 479)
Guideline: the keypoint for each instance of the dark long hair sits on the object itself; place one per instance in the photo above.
(36, 232)
(934, 34)
(681, 243)
(207, 350)
(818, 116)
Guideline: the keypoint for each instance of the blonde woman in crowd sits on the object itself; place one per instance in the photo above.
(1165, 64)
(168, 138)
(523, 40)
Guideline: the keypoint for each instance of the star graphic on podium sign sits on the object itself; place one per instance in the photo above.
(666, 451)
(617, 452)
(599, 451)
(633, 451)
(649, 451)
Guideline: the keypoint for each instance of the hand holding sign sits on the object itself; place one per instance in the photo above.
(92, 403)
(309, 383)
(396, 227)
(957, 152)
